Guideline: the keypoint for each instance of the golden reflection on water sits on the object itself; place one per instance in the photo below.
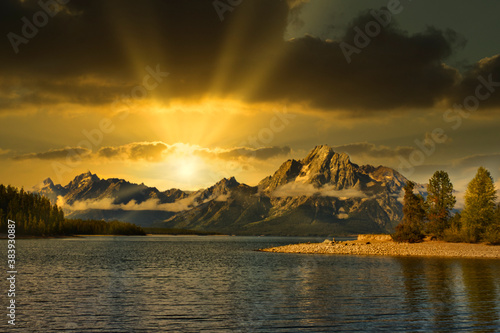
(480, 279)
(455, 291)
(121, 284)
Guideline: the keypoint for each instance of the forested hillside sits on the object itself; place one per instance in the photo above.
(36, 216)
(33, 213)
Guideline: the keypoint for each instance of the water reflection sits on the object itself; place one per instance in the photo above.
(455, 294)
(479, 281)
(220, 284)
(441, 286)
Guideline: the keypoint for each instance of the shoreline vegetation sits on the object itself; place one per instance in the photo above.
(383, 245)
(432, 216)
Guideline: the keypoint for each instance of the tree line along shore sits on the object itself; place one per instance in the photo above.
(479, 221)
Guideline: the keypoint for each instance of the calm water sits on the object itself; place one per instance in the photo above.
(220, 284)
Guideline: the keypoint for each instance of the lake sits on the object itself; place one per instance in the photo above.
(221, 284)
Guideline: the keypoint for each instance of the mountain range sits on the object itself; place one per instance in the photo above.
(323, 194)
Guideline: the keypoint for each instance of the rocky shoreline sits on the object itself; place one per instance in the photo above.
(375, 247)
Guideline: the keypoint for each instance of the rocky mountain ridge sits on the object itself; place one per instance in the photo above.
(324, 193)
(88, 186)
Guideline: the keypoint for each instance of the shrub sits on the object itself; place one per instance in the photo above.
(492, 238)
(492, 235)
(407, 233)
(453, 235)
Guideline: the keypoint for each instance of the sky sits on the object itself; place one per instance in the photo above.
(179, 94)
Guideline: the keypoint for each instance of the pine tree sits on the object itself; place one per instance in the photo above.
(3, 220)
(480, 205)
(410, 229)
(439, 203)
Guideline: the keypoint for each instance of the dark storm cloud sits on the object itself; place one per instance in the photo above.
(480, 87)
(394, 70)
(115, 40)
(92, 51)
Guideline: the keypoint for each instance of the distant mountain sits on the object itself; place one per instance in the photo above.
(49, 190)
(324, 193)
(88, 187)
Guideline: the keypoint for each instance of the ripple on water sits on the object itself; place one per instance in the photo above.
(220, 284)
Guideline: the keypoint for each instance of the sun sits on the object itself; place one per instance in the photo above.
(188, 167)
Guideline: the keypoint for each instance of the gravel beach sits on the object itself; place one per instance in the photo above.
(391, 248)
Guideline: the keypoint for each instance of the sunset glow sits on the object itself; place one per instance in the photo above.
(186, 78)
